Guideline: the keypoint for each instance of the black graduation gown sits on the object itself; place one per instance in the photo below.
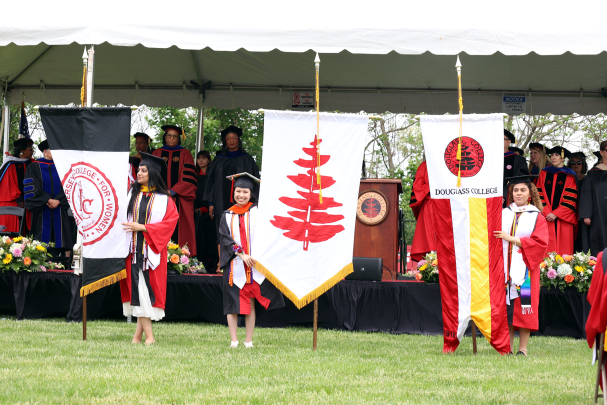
(593, 205)
(513, 164)
(41, 183)
(206, 233)
(231, 294)
(218, 189)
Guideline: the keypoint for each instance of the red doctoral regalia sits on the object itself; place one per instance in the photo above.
(181, 179)
(559, 194)
(421, 204)
(11, 192)
(157, 238)
(534, 252)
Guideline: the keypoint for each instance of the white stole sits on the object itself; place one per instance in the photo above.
(526, 225)
(237, 266)
(159, 209)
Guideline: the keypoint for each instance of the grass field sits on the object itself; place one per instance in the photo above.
(46, 362)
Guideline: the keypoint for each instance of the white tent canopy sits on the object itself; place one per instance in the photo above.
(253, 56)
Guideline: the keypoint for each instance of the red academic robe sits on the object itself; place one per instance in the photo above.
(157, 238)
(559, 195)
(534, 252)
(424, 237)
(181, 179)
(597, 297)
(11, 195)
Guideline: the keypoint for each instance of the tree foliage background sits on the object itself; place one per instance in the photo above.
(394, 148)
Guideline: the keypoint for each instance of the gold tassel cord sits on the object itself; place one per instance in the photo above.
(83, 87)
(459, 143)
(311, 296)
(318, 137)
(104, 282)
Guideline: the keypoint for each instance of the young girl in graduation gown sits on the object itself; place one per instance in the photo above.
(153, 217)
(525, 238)
(242, 283)
(558, 190)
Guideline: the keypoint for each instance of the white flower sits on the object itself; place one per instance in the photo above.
(589, 271)
(563, 270)
(1, 252)
(552, 255)
(5, 239)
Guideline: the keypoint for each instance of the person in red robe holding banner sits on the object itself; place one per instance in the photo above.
(242, 283)
(12, 174)
(181, 180)
(558, 190)
(525, 238)
(424, 237)
(153, 217)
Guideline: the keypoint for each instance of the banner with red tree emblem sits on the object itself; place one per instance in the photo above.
(305, 231)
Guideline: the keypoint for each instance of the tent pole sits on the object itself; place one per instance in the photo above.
(200, 127)
(84, 318)
(314, 338)
(90, 77)
(6, 125)
(473, 337)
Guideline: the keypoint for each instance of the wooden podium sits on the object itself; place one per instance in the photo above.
(378, 239)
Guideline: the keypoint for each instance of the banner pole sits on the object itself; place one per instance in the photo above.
(84, 318)
(473, 337)
(315, 339)
(599, 368)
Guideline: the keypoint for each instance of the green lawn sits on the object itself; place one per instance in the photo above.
(46, 361)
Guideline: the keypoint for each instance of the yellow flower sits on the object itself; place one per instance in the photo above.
(559, 259)
(8, 258)
(173, 246)
(41, 248)
(424, 267)
(18, 239)
(579, 269)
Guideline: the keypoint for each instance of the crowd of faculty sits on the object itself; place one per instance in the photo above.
(199, 188)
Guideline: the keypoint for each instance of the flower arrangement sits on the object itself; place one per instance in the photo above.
(567, 271)
(428, 269)
(178, 258)
(195, 267)
(23, 254)
(53, 266)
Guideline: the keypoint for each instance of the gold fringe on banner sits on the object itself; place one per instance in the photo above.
(104, 282)
(317, 292)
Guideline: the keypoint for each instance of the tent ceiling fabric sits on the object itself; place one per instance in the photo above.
(375, 69)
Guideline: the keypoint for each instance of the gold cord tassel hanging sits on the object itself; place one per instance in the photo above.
(83, 87)
(317, 62)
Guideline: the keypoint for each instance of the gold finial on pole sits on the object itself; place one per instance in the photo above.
(85, 59)
(458, 66)
(317, 64)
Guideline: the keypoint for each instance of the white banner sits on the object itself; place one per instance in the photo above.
(304, 247)
(95, 185)
(482, 155)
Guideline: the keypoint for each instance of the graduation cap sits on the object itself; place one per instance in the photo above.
(509, 135)
(537, 145)
(23, 142)
(242, 180)
(231, 130)
(42, 146)
(142, 135)
(524, 177)
(559, 149)
(515, 149)
(165, 128)
(156, 162)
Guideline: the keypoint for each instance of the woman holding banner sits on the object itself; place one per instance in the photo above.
(525, 238)
(153, 217)
(242, 283)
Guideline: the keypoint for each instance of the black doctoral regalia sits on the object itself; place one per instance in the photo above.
(593, 205)
(206, 232)
(218, 190)
(42, 183)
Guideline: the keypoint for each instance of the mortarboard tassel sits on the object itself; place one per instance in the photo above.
(459, 151)
(562, 153)
(459, 178)
(182, 135)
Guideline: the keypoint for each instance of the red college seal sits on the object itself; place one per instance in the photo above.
(472, 160)
(92, 199)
